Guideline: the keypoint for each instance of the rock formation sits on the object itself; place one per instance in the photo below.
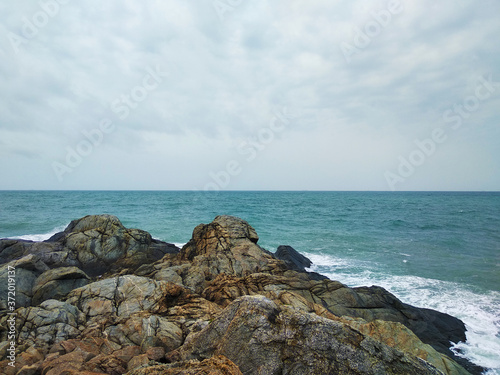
(102, 299)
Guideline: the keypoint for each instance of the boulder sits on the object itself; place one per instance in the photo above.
(261, 337)
(57, 283)
(73, 362)
(227, 245)
(96, 244)
(42, 326)
(293, 258)
(27, 269)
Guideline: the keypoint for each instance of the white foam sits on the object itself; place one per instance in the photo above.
(479, 311)
(40, 237)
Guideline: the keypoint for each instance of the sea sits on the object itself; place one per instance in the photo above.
(439, 250)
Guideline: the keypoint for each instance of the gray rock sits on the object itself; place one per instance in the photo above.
(52, 321)
(262, 337)
(96, 244)
(289, 255)
(57, 283)
(27, 269)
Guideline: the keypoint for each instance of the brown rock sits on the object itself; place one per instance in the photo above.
(156, 353)
(74, 361)
(30, 370)
(108, 364)
(216, 365)
(262, 337)
(138, 361)
(127, 353)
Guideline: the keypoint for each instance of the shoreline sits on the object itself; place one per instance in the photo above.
(171, 263)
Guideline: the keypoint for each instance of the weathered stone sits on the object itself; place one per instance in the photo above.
(216, 365)
(71, 362)
(292, 258)
(398, 336)
(53, 321)
(155, 353)
(278, 318)
(146, 332)
(27, 269)
(57, 283)
(108, 364)
(96, 244)
(138, 361)
(30, 370)
(262, 337)
(127, 353)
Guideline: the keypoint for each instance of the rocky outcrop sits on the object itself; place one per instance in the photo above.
(261, 337)
(96, 244)
(294, 260)
(220, 305)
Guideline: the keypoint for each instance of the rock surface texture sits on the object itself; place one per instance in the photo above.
(102, 299)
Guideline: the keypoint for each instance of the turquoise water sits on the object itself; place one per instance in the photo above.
(436, 250)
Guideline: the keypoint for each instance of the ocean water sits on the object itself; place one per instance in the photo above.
(431, 249)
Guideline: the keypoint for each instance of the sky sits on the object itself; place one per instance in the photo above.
(250, 95)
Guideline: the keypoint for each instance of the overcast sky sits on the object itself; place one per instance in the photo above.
(240, 94)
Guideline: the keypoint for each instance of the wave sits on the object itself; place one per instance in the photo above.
(40, 237)
(478, 310)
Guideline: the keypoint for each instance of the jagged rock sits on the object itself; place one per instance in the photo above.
(262, 337)
(432, 327)
(96, 244)
(155, 353)
(52, 321)
(300, 295)
(227, 245)
(293, 258)
(138, 361)
(398, 336)
(133, 310)
(174, 303)
(69, 363)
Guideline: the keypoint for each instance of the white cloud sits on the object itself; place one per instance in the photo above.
(227, 78)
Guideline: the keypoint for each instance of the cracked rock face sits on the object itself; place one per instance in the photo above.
(96, 244)
(261, 337)
(222, 305)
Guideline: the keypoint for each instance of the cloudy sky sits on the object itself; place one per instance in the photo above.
(239, 94)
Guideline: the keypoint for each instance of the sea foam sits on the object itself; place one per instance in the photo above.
(478, 310)
(40, 237)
